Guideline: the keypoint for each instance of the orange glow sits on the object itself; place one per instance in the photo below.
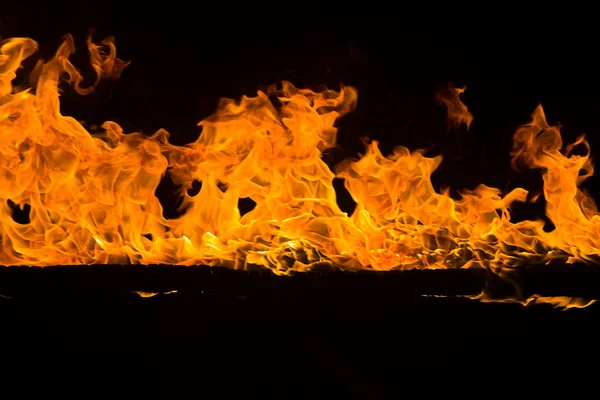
(152, 294)
(560, 302)
(92, 195)
(458, 112)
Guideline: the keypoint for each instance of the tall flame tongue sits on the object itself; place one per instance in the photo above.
(92, 196)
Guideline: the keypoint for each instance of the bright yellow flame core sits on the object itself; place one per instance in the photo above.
(92, 196)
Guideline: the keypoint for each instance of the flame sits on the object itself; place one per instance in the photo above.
(458, 112)
(152, 294)
(92, 195)
(561, 302)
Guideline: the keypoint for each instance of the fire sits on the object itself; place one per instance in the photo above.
(92, 194)
(562, 302)
(152, 294)
(458, 112)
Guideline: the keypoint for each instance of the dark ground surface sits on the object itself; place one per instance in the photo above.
(80, 332)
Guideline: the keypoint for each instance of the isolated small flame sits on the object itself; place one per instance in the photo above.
(458, 112)
(92, 196)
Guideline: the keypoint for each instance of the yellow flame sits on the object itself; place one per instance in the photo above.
(152, 294)
(92, 196)
(560, 302)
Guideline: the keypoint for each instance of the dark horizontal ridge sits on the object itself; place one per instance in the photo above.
(556, 280)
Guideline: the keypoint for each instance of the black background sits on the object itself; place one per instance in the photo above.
(357, 342)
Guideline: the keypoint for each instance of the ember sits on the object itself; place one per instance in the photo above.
(92, 194)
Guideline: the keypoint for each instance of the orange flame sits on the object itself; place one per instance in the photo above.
(152, 294)
(92, 196)
(458, 112)
(561, 302)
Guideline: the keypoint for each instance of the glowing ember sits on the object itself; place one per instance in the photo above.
(92, 195)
